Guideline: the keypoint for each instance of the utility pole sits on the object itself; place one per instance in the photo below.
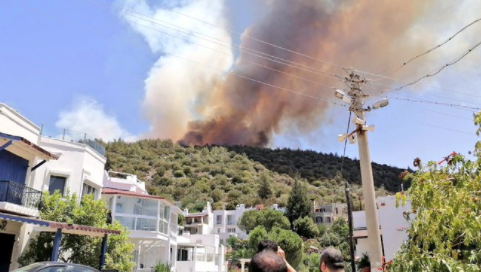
(356, 99)
(349, 217)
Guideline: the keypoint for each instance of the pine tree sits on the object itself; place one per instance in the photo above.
(298, 205)
(265, 189)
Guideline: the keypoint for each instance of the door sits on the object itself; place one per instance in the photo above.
(6, 251)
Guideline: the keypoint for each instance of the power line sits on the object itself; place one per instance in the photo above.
(435, 103)
(433, 95)
(260, 65)
(435, 47)
(437, 71)
(190, 32)
(249, 51)
(222, 70)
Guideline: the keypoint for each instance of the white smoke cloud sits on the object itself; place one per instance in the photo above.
(175, 88)
(88, 116)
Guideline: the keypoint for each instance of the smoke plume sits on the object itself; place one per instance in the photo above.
(197, 105)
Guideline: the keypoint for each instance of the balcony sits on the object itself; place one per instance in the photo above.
(21, 195)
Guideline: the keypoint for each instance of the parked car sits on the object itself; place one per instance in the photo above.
(55, 267)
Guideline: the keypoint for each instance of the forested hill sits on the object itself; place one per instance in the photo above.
(228, 176)
(314, 166)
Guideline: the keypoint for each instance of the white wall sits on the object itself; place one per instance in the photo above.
(393, 224)
(13, 123)
(78, 163)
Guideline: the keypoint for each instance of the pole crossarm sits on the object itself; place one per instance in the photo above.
(357, 106)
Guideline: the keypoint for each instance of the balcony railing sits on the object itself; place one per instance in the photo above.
(19, 194)
(73, 136)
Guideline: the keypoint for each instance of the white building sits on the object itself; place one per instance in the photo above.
(392, 223)
(153, 225)
(328, 213)
(221, 222)
(31, 163)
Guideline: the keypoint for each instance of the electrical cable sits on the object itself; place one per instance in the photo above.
(435, 103)
(222, 70)
(240, 48)
(437, 71)
(268, 84)
(345, 141)
(190, 32)
(434, 48)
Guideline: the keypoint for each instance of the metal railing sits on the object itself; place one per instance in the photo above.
(72, 136)
(19, 194)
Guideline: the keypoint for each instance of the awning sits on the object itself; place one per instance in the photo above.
(17, 143)
(51, 226)
(22, 219)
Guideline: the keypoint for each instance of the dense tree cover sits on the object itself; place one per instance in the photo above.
(298, 204)
(79, 248)
(226, 176)
(315, 166)
(266, 218)
(445, 232)
(305, 227)
(238, 249)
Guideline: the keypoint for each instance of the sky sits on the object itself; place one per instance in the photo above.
(88, 67)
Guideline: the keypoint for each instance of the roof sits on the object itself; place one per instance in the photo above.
(26, 145)
(111, 191)
(52, 226)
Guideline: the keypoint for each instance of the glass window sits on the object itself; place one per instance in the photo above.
(161, 212)
(219, 219)
(167, 212)
(146, 207)
(88, 190)
(82, 269)
(53, 269)
(56, 184)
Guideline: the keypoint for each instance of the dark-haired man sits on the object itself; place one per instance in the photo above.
(331, 260)
(268, 245)
(267, 261)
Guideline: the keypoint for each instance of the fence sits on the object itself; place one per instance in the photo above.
(19, 194)
(73, 136)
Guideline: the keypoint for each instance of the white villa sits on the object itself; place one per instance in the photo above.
(154, 230)
(392, 223)
(34, 159)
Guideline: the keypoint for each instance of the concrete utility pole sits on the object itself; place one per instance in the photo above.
(356, 105)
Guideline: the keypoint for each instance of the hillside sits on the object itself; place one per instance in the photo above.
(232, 175)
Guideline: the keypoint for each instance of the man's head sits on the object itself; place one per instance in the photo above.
(331, 260)
(267, 261)
(267, 245)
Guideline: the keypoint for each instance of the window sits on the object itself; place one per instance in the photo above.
(219, 219)
(337, 211)
(57, 184)
(328, 219)
(231, 230)
(193, 231)
(218, 230)
(119, 207)
(319, 219)
(88, 190)
(230, 220)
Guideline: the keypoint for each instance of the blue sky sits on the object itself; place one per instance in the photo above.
(56, 53)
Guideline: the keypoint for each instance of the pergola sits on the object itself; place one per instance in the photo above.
(64, 228)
